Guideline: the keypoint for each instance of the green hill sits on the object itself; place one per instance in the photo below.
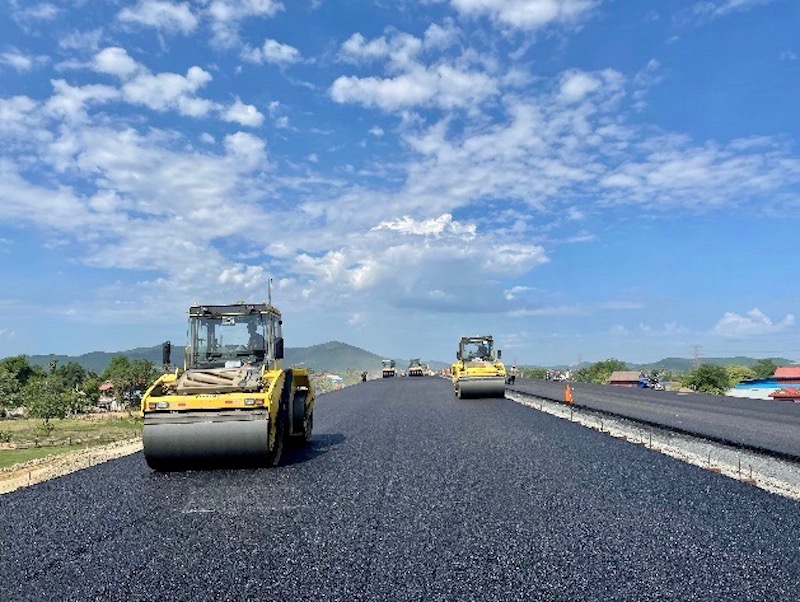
(679, 364)
(333, 356)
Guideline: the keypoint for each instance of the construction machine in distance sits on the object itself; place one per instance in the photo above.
(389, 368)
(478, 371)
(415, 367)
(232, 404)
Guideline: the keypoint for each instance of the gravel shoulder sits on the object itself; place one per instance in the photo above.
(44, 469)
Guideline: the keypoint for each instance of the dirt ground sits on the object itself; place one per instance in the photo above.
(44, 469)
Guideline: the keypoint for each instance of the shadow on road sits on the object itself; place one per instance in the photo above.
(319, 445)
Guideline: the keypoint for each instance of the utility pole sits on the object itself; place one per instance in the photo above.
(697, 349)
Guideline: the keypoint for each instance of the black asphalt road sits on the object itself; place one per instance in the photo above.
(408, 494)
(769, 426)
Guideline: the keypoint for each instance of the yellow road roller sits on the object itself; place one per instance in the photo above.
(478, 371)
(389, 368)
(415, 367)
(232, 404)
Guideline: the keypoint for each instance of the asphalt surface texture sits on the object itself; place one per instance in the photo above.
(762, 425)
(406, 493)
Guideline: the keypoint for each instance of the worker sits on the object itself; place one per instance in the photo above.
(363, 377)
(483, 351)
(256, 341)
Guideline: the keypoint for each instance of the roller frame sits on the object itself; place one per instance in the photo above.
(477, 386)
(206, 438)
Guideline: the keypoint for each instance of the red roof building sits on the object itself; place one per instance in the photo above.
(625, 378)
(788, 374)
(786, 394)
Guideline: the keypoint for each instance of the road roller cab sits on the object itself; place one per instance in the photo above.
(389, 368)
(232, 403)
(478, 371)
(415, 367)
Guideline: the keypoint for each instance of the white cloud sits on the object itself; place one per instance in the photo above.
(444, 224)
(165, 91)
(244, 114)
(272, 51)
(753, 323)
(115, 61)
(357, 319)
(244, 276)
(40, 11)
(21, 62)
(87, 41)
(161, 14)
(249, 149)
(575, 86)
(442, 86)
(513, 292)
(376, 131)
(227, 15)
(618, 330)
(709, 9)
(527, 14)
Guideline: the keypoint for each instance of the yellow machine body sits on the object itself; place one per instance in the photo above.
(232, 404)
(478, 371)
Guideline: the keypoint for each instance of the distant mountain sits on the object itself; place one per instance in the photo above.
(333, 356)
(680, 364)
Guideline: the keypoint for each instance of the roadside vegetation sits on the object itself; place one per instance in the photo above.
(705, 378)
(24, 439)
(51, 411)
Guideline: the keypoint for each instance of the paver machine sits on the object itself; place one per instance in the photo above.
(415, 367)
(478, 371)
(389, 368)
(232, 404)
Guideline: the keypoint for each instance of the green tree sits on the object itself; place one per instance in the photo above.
(534, 372)
(71, 374)
(20, 368)
(599, 372)
(130, 378)
(737, 374)
(45, 399)
(9, 391)
(708, 378)
(90, 388)
(764, 368)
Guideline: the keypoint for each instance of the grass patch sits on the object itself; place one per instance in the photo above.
(31, 439)
(10, 457)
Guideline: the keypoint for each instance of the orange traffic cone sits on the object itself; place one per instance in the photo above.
(567, 395)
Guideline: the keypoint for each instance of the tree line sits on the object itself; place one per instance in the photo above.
(68, 389)
(705, 378)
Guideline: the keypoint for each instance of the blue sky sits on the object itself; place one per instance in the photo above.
(583, 179)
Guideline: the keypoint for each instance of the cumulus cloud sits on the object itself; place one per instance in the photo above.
(250, 150)
(24, 12)
(161, 14)
(439, 226)
(714, 9)
(115, 61)
(753, 323)
(20, 61)
(274, 52)
(409, 81)
(527, 14)
(227, 15)
(576, 85)
(442, 86)
(159, 91)
(244, 114)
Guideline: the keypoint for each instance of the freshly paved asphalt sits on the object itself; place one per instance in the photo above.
(407, 494)
(765, 425)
